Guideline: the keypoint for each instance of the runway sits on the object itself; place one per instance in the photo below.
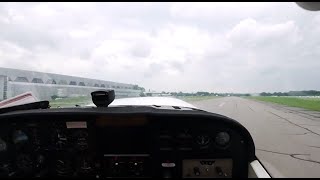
(287, 139)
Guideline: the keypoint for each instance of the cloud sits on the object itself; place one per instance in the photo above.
(250, 32)
(209, 9)
(220, 47)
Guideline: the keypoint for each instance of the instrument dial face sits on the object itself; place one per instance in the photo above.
(3, 145)
(25, 163)
(81, 139)
(222, 139)
(19, 137)
(203, 140)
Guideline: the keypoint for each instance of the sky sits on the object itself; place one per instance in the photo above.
(190, 47)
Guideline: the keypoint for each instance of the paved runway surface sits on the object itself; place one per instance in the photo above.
(287, 139)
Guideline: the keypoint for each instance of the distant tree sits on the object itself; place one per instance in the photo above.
(174, 94)
(201, 93)
(135, 87)
(54, 97)
(265, 94)
(142, 89)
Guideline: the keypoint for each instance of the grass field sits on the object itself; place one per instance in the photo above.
(70, 102)
(306, 103)
(196, 98)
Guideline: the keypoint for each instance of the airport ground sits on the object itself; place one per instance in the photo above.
(287, 139)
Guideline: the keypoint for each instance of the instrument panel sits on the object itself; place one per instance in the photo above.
(123, 145)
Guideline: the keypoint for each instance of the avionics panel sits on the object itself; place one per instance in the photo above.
(122, 142)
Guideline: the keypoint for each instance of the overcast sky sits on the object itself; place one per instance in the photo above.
(217, 47)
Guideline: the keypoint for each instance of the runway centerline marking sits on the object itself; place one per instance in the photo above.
(220, 105)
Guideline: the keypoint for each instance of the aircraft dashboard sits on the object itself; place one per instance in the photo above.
(123, 142)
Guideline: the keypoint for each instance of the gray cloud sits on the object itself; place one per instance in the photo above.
(221, 47)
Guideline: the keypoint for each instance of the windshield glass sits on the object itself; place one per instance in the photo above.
(255, 62)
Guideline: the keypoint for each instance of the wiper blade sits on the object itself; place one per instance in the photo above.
(29, 106)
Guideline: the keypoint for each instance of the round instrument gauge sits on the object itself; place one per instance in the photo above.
(203, 140)
(59, 139)
(24, 163)
(63, 167)
(81, 139)
(222, 139)
(3, 145)
(19, 137)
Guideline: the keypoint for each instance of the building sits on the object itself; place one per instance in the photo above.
(45, 86)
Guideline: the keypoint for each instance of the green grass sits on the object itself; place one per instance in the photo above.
(306, 103)
(312, 99)
(70, 102)
(196, 98)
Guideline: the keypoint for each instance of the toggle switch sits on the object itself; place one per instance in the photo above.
(196, 171)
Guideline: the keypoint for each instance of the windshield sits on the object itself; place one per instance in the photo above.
(255, 62)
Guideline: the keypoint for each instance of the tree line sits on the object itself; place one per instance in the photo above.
(292, 93)
(204, 93)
